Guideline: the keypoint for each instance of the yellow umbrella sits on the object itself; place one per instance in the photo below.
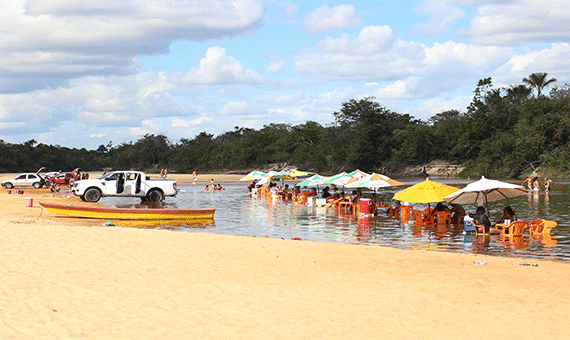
(425, 192)
(296, 174)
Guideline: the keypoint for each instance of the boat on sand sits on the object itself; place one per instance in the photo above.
(155, 214)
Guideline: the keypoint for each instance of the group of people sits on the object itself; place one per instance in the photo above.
(214, 186)
(480, 218)
(456, 211)
(54, 188)
(533, 184)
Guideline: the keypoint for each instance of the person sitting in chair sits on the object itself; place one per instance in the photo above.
(480, 218)
(457, 213)
(508, 215)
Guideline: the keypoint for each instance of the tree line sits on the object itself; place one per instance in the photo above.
(504, 132)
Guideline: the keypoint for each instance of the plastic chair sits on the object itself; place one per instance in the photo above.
(535, 228)
(442, 217)
(479, 229)
(263, 191)
(428, 216)
(300, 199)
(393, 213)
(516, 228)
(428, 211)
(548, 226)
(347, 205)
(417, 214)
(405, 212)
(421, 217)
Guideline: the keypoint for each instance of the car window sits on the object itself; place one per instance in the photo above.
(21, 177)
(113, 176)
(32, 176)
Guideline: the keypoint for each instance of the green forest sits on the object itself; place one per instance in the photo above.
(505, 132)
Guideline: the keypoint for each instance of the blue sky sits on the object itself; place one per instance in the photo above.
(84, 74)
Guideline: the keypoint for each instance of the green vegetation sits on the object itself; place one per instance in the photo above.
(505, 132)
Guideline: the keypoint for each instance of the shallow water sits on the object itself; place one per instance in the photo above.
(238, 214)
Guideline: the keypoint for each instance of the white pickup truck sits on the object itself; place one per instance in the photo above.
(124, 184)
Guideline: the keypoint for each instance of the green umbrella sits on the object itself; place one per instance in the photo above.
(313, 181)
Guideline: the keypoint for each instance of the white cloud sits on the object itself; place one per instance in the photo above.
(398, 89)
(234, 108)
(412, 70)
(442, 13)
(431, 107)
(51, 41)
(296, 98)
(520, 21)
(147, 126)
(179, 122)
(275, 65)
(325, 18)
(288, 8)
(552, 60)
(92, 103)
(218, 68)
(373, 55)
(200, 120)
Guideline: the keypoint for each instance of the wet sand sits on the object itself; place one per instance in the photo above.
(66, 278)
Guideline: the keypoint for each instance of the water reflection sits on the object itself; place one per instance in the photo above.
(237, 214)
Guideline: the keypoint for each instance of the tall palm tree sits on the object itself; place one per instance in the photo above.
(538, 81)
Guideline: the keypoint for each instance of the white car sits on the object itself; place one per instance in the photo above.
(126, 183)
(24, 180)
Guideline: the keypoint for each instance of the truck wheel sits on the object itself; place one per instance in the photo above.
(155, 196)
(37, 185)
(92, 195)
(8, 185)
(83, 198)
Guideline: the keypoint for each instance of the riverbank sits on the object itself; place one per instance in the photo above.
(64, 278)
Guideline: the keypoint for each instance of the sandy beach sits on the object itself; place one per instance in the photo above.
(63, 278)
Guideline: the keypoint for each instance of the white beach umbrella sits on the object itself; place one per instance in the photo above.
(485, 190)
(267, 177)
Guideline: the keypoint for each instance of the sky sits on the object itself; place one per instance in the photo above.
(81, 74)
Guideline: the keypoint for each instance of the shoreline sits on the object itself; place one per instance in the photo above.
(67, 277)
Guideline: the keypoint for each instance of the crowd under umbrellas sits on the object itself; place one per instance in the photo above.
(479, 193)
(340, 182)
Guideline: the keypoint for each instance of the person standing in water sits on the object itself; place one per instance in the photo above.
(195, 175)
(547, 182)
(535, 185)
(528, 182)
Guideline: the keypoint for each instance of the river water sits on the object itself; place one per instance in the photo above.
(238, 214)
